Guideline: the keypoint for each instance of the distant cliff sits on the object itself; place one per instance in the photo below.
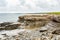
(32, 21)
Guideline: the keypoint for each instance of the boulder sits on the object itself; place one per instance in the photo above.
(56, 19)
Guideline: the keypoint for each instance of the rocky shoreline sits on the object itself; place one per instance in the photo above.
(32, 27)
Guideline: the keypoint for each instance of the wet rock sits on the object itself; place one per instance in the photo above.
(9, 26)
(12, 26)
(2, 25)
(5, 23)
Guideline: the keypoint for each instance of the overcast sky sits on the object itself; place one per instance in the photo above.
(23, 6)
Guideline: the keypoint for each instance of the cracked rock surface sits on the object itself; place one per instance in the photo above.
(32, 27)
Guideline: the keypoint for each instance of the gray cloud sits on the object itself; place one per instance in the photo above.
(2, 3)
(29, 5)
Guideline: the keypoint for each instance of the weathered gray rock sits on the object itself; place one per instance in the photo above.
(9, 26)
(55, 18)
(5, 23)
(12, 26)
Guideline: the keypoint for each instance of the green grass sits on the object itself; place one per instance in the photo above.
(57, 13)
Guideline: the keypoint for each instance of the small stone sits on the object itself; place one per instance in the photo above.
(42, 30)
(3, 34)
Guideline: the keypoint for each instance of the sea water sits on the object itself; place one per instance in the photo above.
(9, 17)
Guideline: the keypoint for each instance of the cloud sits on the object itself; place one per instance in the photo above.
(29, 5)
(2, 3)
